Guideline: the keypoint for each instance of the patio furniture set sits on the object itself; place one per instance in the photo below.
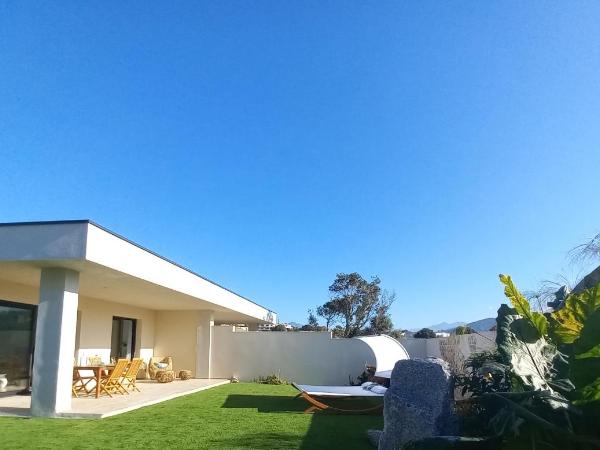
(97, 378)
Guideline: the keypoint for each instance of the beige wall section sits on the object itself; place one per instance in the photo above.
(19, 293)
(302, 357)
(94, 322)
(95, 328)
(175, 336)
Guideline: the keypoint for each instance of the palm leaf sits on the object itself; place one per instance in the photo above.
(522, 307)
(568, 321)
(529, 356)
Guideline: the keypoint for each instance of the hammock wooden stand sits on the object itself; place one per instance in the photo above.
(318, 405)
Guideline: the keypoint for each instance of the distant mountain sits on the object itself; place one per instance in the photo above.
(483, 324)
(478, 325)
(445, 326)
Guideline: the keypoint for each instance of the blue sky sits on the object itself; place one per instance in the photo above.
(270, 145)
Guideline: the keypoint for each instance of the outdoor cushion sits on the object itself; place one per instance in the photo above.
(374, 387)
(377, 388)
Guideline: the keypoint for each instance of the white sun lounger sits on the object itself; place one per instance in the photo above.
(309, 392)
(335, 391)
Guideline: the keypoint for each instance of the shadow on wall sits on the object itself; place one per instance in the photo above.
(325, 431)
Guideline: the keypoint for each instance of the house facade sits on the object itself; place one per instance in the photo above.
(72, 290)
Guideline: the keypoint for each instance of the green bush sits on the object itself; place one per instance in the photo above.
(483, 373)
(274, 379)
(542, 389)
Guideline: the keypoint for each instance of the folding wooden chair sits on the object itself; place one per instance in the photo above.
(130, 374)
(80, 383)
(112, 384)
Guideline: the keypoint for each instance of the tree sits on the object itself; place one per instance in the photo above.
(397, 334)
(313, 323)
(425, 333)
(463, 329)
(381, 323)
(354, 302)
(279, 327)
(328, 314)
(588, 251)
(338, 331)
(312, 319)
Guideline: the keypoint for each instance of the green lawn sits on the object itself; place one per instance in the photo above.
(231, 416)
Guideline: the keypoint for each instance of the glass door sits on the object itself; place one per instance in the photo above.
(17, 324)
(123, 338)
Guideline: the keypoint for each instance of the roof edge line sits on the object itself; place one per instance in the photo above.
(123, 238)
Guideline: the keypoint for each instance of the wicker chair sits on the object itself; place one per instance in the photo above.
(152, 368)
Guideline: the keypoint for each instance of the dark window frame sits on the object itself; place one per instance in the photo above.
(133, 333)
(34, 311)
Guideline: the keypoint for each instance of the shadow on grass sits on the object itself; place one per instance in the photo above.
(326, 430)
(261, 441)
(278, 403)
(265, 403)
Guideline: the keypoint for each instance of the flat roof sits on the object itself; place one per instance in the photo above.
(170, 261)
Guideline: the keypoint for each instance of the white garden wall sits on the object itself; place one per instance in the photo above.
(468, 343)
(302, 357)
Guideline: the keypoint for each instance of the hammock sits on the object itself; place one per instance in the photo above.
(309, 393)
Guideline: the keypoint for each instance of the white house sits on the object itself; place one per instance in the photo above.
(73, 289)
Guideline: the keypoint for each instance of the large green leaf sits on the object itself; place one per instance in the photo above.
(585, 360)
(531, 358)
(568, 322)
(522, 307)
(576, 326)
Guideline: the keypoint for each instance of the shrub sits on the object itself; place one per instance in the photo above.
(483, 373)
(274, 379)
(542, 389)
(463, 329)
(425, 333)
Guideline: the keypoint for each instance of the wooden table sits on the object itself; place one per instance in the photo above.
(97, 373)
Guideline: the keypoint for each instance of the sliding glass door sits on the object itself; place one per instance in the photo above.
(123, 338)
(17, 324)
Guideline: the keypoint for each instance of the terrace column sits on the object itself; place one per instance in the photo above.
(204, 344)
(55, 342)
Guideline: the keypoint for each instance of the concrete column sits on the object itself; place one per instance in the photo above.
(204, 344)
(55, 342)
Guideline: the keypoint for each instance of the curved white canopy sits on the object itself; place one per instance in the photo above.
(387, 351)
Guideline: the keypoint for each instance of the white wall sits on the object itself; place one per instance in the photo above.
(468, 343)
(176, 333)
(302, 357)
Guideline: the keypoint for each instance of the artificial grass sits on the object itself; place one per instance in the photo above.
(233, 416)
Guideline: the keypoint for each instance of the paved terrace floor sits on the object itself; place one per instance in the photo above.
(150, 393)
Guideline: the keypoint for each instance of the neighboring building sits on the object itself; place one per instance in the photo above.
(73, 289)
(270, 326)
(589, 281)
